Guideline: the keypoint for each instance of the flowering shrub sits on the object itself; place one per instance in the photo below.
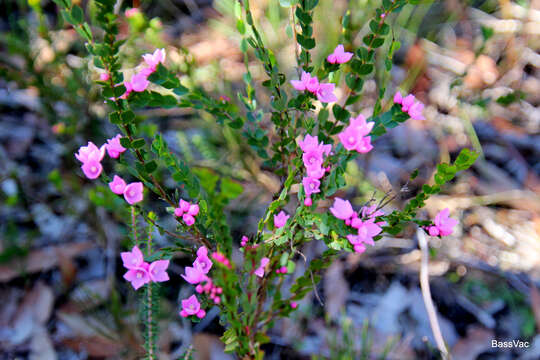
(306, 147)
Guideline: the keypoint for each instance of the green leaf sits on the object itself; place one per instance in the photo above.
(150, 166)
(230, 188)
(137, 143)
(77, 14)
(365, 69)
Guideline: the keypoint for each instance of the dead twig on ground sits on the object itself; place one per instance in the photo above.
(426, 294)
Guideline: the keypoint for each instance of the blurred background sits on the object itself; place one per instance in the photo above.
(474, 63)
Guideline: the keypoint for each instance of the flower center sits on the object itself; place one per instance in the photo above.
(93, 169)
(131, 193)
(312, 186)
(351, 139)
(134, 261)
(139, 275)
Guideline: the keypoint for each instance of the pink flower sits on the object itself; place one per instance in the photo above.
(138, 276)
(313, 159)
(407, 102)
(92, 169)
(294, 304)
(131, 12)
(308, 201)
(219, 257)
(118, 185)
(372, 212)
(357, 244)
(309, 143)
(349, 138)
(188, 219)
(325, 93)
(139, 82)
(364, 146)
(306, 82)
(366, 229)
(244, 240)
(361, 125)
(316, 173)
(132, 259)
(339, 56)
(260, 270)
(398, 99)
(114, 148)
(353, 137)
(444, 223)
(280, 219)
(415, 111)
(133, 193)
(192, 306)
(193, 209)
(153, 60)
(203, 262)
(342, 209)
(129, 89)
(193, 274)
(158, 270)
(90, 152)
(311, 185)
(104, 77)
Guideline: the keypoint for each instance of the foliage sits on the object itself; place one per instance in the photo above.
(250, 303)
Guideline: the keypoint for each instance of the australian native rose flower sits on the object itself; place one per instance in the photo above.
(133, 193)
(260, 270)
(444, 224)
(342, 209)
(191, 306)
(91, 157)
(339, 56)
(114, 148)
(118, 185)
(280, 219)
(203, 262)
(140, 272)
(354, 136)
(323, 91)
(410, 105)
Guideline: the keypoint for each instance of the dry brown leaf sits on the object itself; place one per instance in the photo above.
(42, 259)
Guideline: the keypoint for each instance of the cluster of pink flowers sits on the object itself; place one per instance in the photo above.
(132, 12)
(139, 81)
(187, 211)
(354, 136)
(410, 105)
(90, 156)
(280, 220)
(444, 224)
(197, 275)
(339, 56)
(313, 158)
(260, 270)
(140, 272)
(366, 229)
(222, 259)
(133, 192)
(244, 241)
(323, 91)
